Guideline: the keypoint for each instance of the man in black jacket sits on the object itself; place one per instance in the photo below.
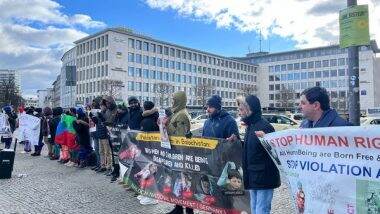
(261, 175)
(135, 114)
(150, 117)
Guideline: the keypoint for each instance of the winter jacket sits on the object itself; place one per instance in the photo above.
(329, 118)
(220, 125)
(83, 133)
(53, 124)
(101, 129)
(121, 120)
(45, 125)
(179, 124)
(149, 121)
(260, 172)
(135, 117)
(110, 114)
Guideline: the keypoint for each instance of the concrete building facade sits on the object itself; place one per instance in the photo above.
(56, 99)
(284, 73)
(7, 73)
(123, 63)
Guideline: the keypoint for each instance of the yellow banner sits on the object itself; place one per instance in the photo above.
(179, 141)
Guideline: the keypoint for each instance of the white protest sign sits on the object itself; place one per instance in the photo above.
(29, 128)
(330, 170)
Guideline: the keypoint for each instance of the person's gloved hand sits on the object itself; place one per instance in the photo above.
(189, 135)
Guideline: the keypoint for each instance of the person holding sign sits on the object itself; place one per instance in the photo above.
(261, 175)
(179, 125)
(220, 124)
(315, 107)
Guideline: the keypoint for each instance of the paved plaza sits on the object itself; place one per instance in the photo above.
(40, 185)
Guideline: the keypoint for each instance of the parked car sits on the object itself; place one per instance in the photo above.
(371, 120)
(199, 119)
(279, 122)
(298, 117)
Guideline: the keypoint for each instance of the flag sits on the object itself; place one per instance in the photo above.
(65, 134)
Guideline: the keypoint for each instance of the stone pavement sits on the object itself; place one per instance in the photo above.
(50, 187)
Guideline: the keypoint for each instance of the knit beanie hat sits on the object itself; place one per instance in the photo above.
(215, 101)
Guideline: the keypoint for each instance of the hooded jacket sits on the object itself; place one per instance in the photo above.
(179, 124)
(121, 120)
(135, 117)
(260, 172)
(329, 118)
(220, 125)
(53, 123)
(149, 121)
(110, 114)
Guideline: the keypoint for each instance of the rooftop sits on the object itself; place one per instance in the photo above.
(373, 45)
(130, 32)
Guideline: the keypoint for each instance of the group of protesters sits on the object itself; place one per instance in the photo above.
(260, 177)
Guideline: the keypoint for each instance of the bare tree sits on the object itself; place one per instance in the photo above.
(111, 87)
(9, 93)
(163, 91)
(287, 97)
(246, 90)
(202, 92)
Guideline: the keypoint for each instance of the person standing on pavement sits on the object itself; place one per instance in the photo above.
(150, 117)
(11, 120)
(149, 124)
(261, 176)
(135, 113)
(220, 124)
(53, 124)
(46, 135)
(82, 128)
(95, 109)
(179, 125)
(315, 107)
(40, 144)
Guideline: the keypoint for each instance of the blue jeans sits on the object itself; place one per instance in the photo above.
(261, 201)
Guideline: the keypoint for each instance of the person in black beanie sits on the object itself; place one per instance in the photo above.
(135, 113)
(150, 117)
(220, 124)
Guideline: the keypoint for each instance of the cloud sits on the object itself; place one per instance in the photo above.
(34, 36)
(307, 22)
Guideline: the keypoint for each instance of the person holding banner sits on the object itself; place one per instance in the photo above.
(261, 175)
(135, 113)
(315, 107)
(220, 124)
(179, 125)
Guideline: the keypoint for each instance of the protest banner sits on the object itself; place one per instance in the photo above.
(29, 128)
(200, 173)
(330, 170)
(3, 124)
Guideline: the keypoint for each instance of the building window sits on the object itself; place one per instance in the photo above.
(310, 64)
(159, 49)
(326, 73)
(277, 68)
(318, 64)
(333, 73)
(341, 61)
(310, 75)
(138, 72)
(333, 62)
(146, 46)
(153, 47)
(342, 72)
(131, 57)
(138, 58)
(153, 61)
(131, 43)
(131, 71)
(290, 67)
(318, 74)
(325, 63)
(333, 84)
(146, 73)
(130, 86)
(166, 50)
(146, 60)
(296, 66)
(283, 67)
(303, 65)
(296, 76)
(303, 75)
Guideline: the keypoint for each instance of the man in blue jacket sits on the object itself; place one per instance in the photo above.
(315, 107)
(220, 124)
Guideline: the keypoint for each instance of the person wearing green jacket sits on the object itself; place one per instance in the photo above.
(179, 125)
